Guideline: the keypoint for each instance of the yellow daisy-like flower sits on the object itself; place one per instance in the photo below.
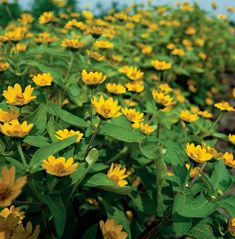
(214, 152)
(117, 174)
(161, 65)
(191, 31)
(44, 79)
(4, 66)
(13, 211)
(165, 88)
(163, 99)
(185, 115)
(6, 116)
(95, 55)
(64, 134)
(106, 108)
(19, 47)
(133, 73)
(103, 44)
(224, 106)
(133, 115)
(111, 230)
(15, 96)
(15, 129)
(46, 17)
(206, 114)
(178, 52)
(59, 167)
(115, 88)
(93, 78)
(72, 43)
(228, 159)
(15, 36)
(198, 153)
(136, 86)
(231, 226)
(130, 103)
(146, 128)
(10, 188)
(231, 138)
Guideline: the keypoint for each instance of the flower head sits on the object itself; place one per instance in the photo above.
(15, 96)
(9, 187)
(133, 73)
(185, 115)
(106, 108)
(15, 129)
(178, 52)
(206, 114)
(231, 138)
(4, 66)
(59, 167)
(103, 44)
(115, 88)
(163, 99)
(111, 230)
(146, 128)
(161, 65)
(13, 211)
(228, 159)
(64, 134)
(72, 43)
(133, 115)
(224, 106)
(46, 17)
(44, 79)
(93, 78)
(136, 86)
(231, 226)
(117, 174)
(198, 153)
(193, 171)
(6, 116)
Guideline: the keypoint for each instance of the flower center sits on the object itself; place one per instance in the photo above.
(60, 169)
(19, 98)
(115, 178)
(110, 235)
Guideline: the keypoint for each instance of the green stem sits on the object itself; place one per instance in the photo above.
(91, 108)
(9, 13)
(214, 124)
(20, 203)
(53, 184)
(118, 156)
(18, 144)
(92, 138)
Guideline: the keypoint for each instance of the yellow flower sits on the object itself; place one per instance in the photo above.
(64, 134)
(72, 43)
(95, 55)
(130, 103)
(10, 188)
(133, 115)
(15, 35)
(117, 174)
(230, 9)
(198, 153)
(46, 17)
(15, 129)
(178, 52)
(205, 114)
(111, 230)
(233, 93)
(106, 108)
(231, 226)
(59, 167)
(224, 106)
(202, 55)
(26, 18)
(194, 171)
(165, 88)
(19, 47)
(185, 115)
(231, 138)
(214, 5)
(6, 116)
(87, 14)
(146, 129)
(115, 88)
(161, 65)
(214, 152)
(15, 96)
(190, 31)
(147, 50)
(44, 79)
(102, 44)
(14, 212)
(160, 98)
(228, 159)
(4, 66)
(171, 46)
(93, 78)
(136, 86)
(133, 73)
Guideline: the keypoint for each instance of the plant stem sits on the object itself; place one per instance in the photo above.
(117, 156)
(91, 107)
(18, 144)
(92, 138)
(53, 184)
(20, 203)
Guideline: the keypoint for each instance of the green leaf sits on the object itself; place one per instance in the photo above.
(51, 149)
(187, 206)
(149, 149)
(91, 232)
(57, 210)
(92, 156)
(120, 129)
(66, 116)
(181, 224)
(228, 205)
(220, 178)
(102, 181)
(37, 141)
